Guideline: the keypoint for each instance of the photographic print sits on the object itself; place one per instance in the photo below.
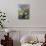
(24, 11)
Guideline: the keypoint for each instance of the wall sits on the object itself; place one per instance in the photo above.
(38, 13)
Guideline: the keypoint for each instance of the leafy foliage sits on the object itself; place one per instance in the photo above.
(2, 19)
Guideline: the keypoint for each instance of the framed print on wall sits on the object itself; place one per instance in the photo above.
(24, 15)
(24, 11)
